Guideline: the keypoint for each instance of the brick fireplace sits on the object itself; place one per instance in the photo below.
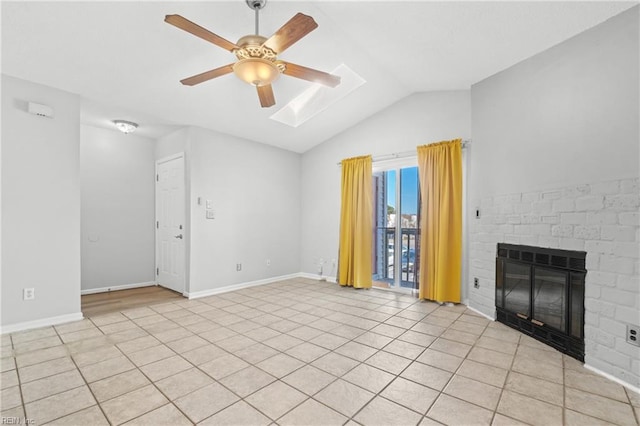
(599, 218)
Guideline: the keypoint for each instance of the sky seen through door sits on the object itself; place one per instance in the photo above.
(408, 190)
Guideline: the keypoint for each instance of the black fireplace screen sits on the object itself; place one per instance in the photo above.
(540, 292)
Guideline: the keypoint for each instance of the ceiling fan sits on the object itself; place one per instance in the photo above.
(258, 62)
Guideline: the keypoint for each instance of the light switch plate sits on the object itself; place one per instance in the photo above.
(209, 204)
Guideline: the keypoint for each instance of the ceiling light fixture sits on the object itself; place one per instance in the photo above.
(125, 126)
(257, 71)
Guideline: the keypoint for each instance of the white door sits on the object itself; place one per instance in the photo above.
(170, 229)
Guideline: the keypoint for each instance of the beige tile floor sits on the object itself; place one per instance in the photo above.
(300, 352)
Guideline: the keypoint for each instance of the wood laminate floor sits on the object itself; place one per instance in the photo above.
(116, 301)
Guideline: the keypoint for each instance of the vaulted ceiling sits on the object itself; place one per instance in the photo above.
(126, 62)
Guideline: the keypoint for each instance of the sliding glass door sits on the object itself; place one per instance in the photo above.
(396, 233)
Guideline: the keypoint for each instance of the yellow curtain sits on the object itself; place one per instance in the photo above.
(440, 170)
(356, 221)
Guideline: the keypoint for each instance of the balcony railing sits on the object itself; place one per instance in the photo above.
(386, 255)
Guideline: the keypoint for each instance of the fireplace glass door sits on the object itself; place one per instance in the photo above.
(577, 304)
(517, 288)
(540, 291)
(549, 297)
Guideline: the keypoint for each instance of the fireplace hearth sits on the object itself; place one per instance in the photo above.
(540, 291)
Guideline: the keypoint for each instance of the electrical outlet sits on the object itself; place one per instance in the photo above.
(29, 293)
(238, 267)
(476, 283)
(268, 262)
(633, 334)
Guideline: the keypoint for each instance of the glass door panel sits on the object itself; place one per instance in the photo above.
(577, 304)
(396, 227)
(549, 297)
(384, 187)
(517, 288)
(408, 225)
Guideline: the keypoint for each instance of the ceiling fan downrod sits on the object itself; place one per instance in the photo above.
(256, 5)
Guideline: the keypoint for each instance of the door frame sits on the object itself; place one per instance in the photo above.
(186, 234)
(396, 165)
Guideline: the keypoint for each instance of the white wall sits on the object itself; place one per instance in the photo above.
(173, 143)
(416, 120)
(40, 203)
(555, 163)
(255, 190)
(117, 209)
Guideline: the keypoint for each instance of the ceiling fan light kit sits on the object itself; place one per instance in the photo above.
(258, 62)
(256, 71)
(125, 126)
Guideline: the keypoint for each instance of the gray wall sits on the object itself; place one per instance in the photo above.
(118, 212)
(40, 203)
(416, 120)
(555, 162)
(255, 190)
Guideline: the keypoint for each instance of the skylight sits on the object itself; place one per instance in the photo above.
(317, 98)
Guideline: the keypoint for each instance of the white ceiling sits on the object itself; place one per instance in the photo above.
(126, 62)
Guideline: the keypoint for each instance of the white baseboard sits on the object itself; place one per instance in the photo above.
(44, 322)
(317, 277)
(613, 378)
(489, 317)
(233, 287)
(117, 287)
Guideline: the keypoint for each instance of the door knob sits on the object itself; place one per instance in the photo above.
(179, 236)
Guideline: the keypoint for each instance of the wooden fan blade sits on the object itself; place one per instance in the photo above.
(207, 75)
(198, 31)
(309, 74)
(296, 28)
(265, 93)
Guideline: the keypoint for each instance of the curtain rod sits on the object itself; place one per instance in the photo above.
(403, 154)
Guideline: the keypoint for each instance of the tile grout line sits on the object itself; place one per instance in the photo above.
(351, 418)
(309, 364)
(162, 343)
(83, 379)
(216, 380)
(506, 379)
(137, 367)
(341, 311)
(142, 372)
(15, 363)
(382, 349)
(453, 374)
